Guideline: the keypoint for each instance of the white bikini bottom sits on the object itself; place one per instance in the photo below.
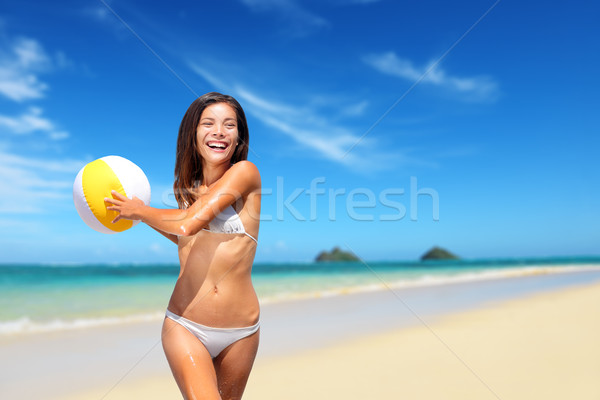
(214, 339)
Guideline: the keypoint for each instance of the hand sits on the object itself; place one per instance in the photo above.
(126, 207)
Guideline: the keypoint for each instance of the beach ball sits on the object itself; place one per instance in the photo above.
(95, 181)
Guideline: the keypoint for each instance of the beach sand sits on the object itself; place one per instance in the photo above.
(539, 346)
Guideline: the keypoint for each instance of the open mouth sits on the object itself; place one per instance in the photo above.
(217, 145)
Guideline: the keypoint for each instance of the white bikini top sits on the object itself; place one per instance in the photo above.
(228, 221)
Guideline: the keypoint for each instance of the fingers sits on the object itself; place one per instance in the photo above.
(115, 207)
(118, 195)
(117, 198)
(121, 204)
(115, 202)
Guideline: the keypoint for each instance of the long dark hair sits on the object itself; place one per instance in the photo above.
(188, 161)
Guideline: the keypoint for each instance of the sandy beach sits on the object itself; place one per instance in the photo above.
(421, 344)
(540, 347)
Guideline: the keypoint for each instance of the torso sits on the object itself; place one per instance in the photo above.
(214, 287)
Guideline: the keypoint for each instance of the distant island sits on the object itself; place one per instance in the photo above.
(437, 253)
(336, 255)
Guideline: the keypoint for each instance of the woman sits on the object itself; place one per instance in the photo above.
(211, 329)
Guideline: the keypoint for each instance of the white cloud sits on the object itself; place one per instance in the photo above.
(477, 88)
(99, 12)
(304, 125)
(325, 142)
(210, 78)
(318, 124)
(30, 54)
(29, 184)
(264, 104)
(355, 110)
(311, 125)
(32, 185)
(20, 62)
(62, 166)
(30, 122)
(297, 20)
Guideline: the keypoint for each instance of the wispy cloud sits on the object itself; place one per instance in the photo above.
(20, 61)
(313, 127)
(356, 109)
(477, 88)
(98, 12)
(29, 185)
(31, 121)
(329, 141)
(297, 20)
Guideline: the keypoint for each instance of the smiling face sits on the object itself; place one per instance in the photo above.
(217, 133)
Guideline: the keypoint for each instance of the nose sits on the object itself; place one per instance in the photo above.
(218, 132)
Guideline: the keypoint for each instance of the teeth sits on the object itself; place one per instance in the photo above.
(219, 145)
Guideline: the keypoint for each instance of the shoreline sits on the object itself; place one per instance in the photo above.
(79, 363)
(25, 326)
(431, 281)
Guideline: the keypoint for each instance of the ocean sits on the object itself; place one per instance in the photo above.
(42, 298)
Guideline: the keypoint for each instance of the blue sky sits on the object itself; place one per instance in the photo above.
(470, 125)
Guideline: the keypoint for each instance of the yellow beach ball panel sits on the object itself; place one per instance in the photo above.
(95, 181)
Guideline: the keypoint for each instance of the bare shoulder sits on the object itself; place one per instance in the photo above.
(245, 165)
(241, 178)
(245, 170)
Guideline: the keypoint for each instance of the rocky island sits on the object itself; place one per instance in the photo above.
(438, 253)
(336, 254)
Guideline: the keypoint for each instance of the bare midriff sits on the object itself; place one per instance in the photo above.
(214, 287)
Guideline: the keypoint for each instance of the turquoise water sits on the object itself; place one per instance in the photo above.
(54, 297)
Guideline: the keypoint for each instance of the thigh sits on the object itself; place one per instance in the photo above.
(190, 362)
(233, 366)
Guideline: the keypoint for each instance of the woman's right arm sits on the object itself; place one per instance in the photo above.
(241, 179)
(167, 221)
